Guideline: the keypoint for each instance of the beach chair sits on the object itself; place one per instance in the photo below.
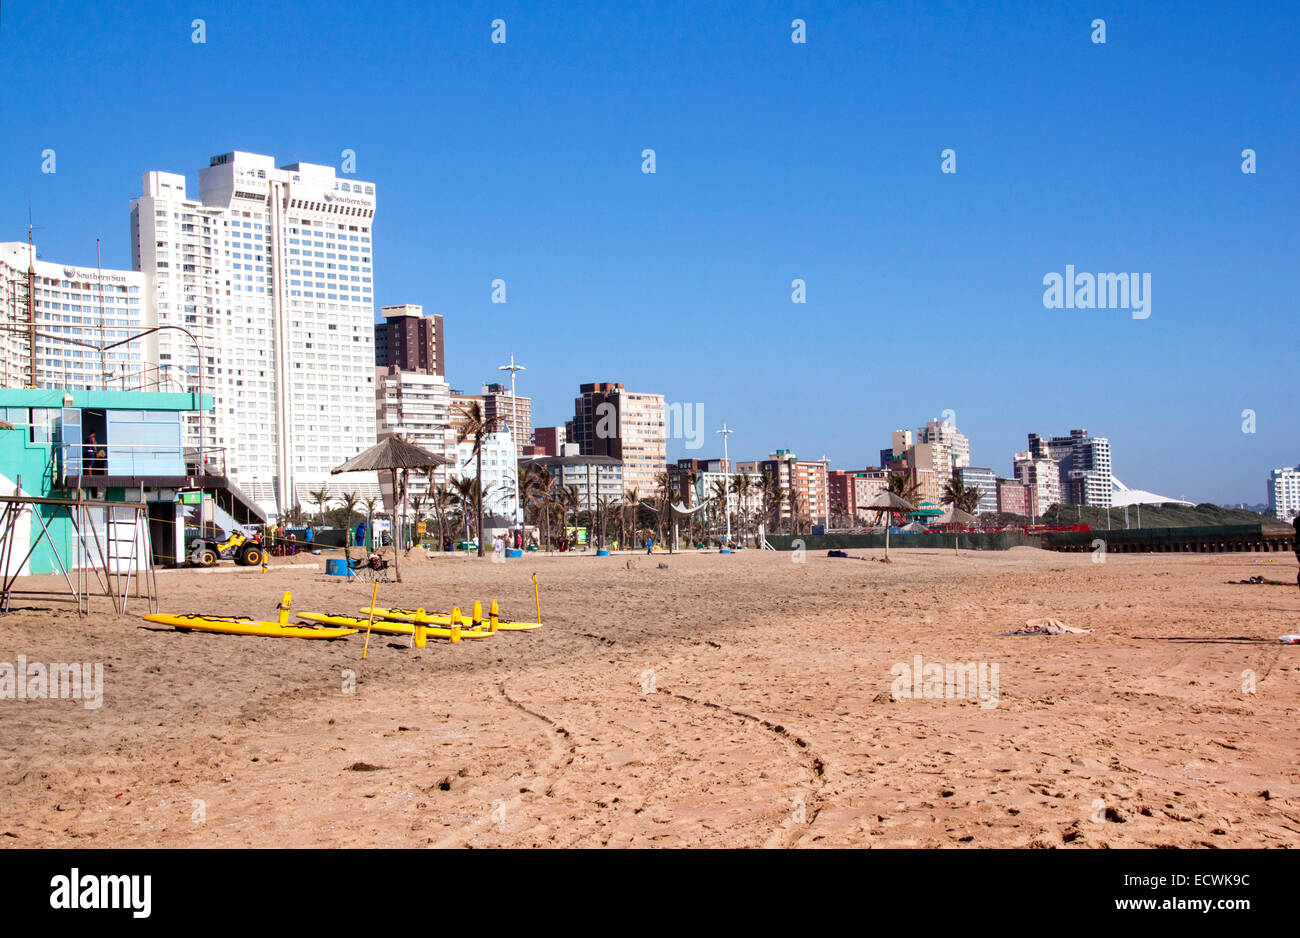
(372, 569)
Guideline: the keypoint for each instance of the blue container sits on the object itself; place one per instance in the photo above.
(602, 553)
(336, 567)
(511, 552)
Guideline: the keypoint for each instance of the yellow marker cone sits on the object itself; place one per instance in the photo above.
(285, 602)
(477, 622)
(492, 616)
(455, 624)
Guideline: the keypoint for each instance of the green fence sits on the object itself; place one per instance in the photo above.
(1001, 540)
(1217, 537)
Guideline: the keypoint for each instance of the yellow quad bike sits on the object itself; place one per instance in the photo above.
(243, 550)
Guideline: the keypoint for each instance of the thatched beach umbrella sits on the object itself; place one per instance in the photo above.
(394, 454)
(956, 516)
(888, 501)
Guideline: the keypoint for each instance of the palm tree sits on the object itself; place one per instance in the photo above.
(538, 490)
(478, 428)
(965, 497)
(440, 501)
(528, 480)
(321, 499)
(740, 484)
(417, 503)
(901, 483)
(691, 478)
(348, 502)
(771, 501)
(551, 494)
(604, 506)
(568, 498)
(463, 492)
(632, 500)
(664, 483)
(718, 500)
(370, 504)
(294, 516)
(796, 510)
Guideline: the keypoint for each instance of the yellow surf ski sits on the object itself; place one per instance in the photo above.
(238, 625)
(433, 618)
(387, 627)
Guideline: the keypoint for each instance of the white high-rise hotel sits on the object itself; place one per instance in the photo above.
(272, 271)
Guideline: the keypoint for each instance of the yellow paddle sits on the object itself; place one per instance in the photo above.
(537, 597)
(374, 594)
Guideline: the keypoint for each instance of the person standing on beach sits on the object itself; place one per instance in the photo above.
(92, 465)
(1295, 542)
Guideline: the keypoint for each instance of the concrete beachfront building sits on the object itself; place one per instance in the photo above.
(807, 478)
(74, 307)
(594, 477)
(1083, 466)
(138, 448)
(515, 413)
(417, 407)
(1042, 477)
(986, 480)
(408, 340)
(1013, 497)
(1284, 493)
(271, 269)
(630, 426)
(499, 467)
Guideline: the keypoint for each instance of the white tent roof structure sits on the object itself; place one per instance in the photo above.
(1123, 496)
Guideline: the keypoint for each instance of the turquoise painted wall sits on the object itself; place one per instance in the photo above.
(35, 462)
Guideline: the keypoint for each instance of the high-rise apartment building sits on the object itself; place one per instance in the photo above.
(500, 465)
(461, 403)
(850, 489)
(77, 310)
(1083, 463)
(417, 407)
(547, 441)
(272, 271)
(951, 448)
(609, 420)
(515, 413)
(702, 481)
(1041, 475)
(409, 340)
(18, 366)
(806, 478)
(986, 481)
(1013, 497)
(592, 478)
(1284, 493)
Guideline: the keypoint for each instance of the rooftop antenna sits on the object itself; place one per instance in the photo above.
(31, 298)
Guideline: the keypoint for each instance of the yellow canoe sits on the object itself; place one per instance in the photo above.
(433, 618)
(386, 627)
(238, 625)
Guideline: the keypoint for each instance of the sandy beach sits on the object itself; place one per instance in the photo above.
(724, 701)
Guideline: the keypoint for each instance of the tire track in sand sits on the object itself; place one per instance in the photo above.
(561, 758)
(791, 831)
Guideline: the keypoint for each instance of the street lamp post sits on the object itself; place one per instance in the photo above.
(514, 431)
(726, 479)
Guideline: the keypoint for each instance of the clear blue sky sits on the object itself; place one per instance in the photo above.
(775, 161)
